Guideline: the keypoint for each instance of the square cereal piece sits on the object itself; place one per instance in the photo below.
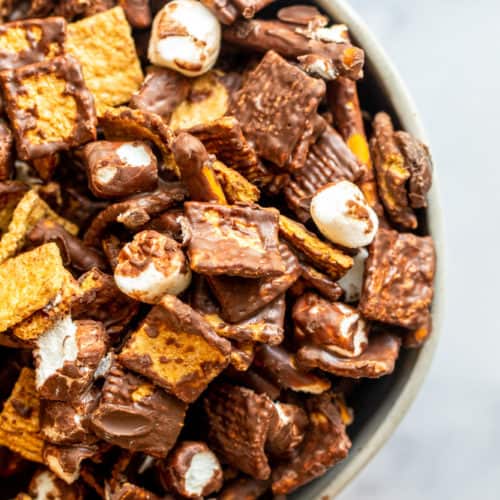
(19, 420)
(104, 46)
(30, 281)
(31, 41)
(207, 100)
(135, 414)
(234, 240)
(328, 160)
(224, 138)
(29, 210)
(328, 258)
(241, 298)
(177, 349)
(399, 275)
(49, 107)
(276, 106)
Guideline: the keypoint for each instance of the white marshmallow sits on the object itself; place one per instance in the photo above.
(202, 468)
(342, 214)
(352, 281)
(360, 336)
(44, 486)
(186, 37)
(165, 273)
(133, 155)
(54, 347)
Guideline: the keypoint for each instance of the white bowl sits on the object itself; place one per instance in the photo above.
(390, 397)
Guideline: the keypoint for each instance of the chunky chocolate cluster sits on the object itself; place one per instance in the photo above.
(202, 254)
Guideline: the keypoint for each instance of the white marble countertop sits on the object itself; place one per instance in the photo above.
(447, 447)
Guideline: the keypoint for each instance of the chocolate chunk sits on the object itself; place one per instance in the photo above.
(225, 10)
(399, 274)
(287, 430)
(137, 415)
(281, 367)
(332, 325)
(242, 298)
(177, 349)
(196, 169)
(234, 240)
(49, 107)
(303, 15)
(138, 12)
(377, 360)
(31, 41)
(193, 470)
(419, 162)
(275, 107)
(244, 488)
(119, 169)
(65, 461)
(329, 160)
(101, 300)
(161, 92)
(324, 444)
(73, 251)
(239, 421)
(150, 204)
(288, 40)
(66, 423)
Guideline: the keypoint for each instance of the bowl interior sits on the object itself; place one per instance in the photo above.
(379, 405)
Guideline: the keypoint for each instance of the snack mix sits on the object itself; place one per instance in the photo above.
(207, 243)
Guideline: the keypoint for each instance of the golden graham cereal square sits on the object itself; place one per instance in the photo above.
(19, 420)
(49, 107)
(104, 46)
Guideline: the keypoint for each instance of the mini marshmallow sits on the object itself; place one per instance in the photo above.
(186, 37)
(360, 336)
(352, 281)
(134, 155)
(203, 467)
(151, 266)
(56, 346)
(342, 214)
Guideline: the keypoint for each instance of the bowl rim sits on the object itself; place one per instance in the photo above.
(388, 416)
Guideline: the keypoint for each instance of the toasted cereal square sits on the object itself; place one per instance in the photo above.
(399, 275)
(40, 321)
(236, 188)
(234, 240)
(49, 107)
(332, 260)
(29, 282)
(30, 209)
(207, 100)
(30, 41)
(104, 46)
(177, 349)
(276, 106)
(19, 420)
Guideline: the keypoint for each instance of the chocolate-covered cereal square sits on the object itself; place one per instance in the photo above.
(234, 240)
(105, 48)
(177, 349)
(275, 107)
(30, 41)
(137, 415)
(49, 107)
(399, 275)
